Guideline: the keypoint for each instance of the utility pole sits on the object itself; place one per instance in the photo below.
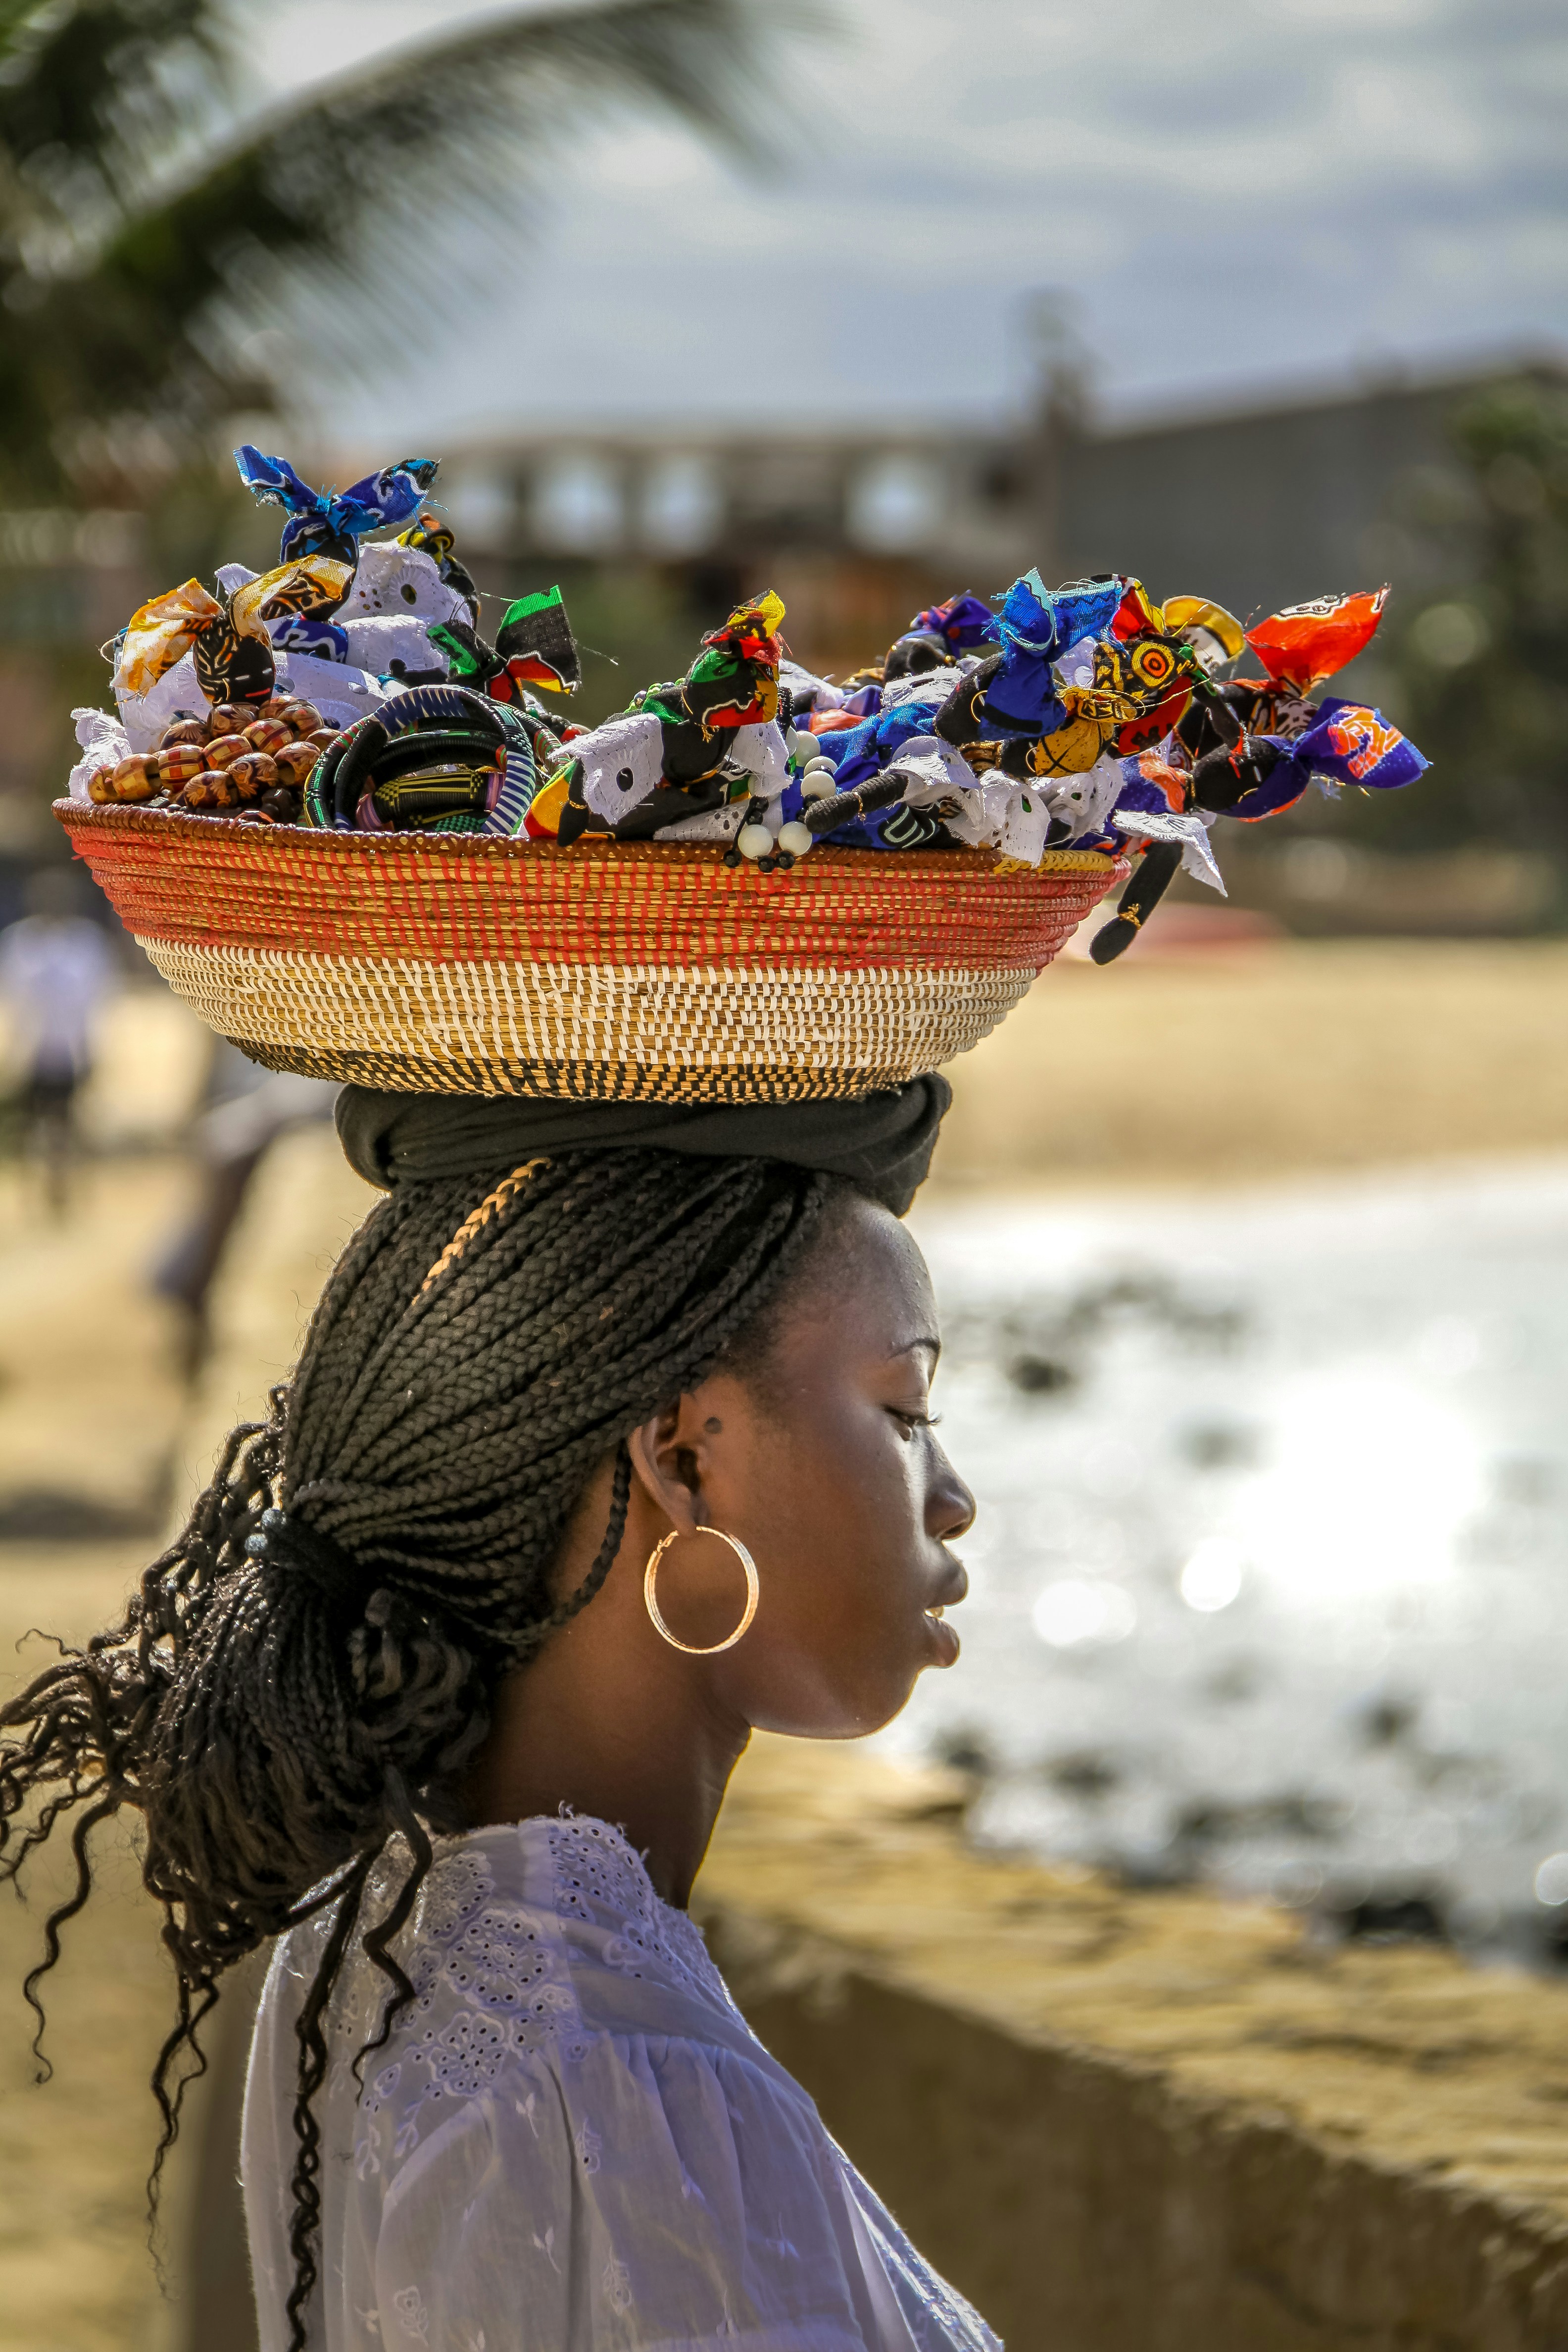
(1059, 401)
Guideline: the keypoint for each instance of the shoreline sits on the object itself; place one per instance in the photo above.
(1291, 1056)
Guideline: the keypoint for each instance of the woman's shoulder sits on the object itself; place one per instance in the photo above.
(546, 1986)
(532, 1937)
(560, 1901)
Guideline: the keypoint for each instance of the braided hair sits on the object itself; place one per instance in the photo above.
(314, 1659)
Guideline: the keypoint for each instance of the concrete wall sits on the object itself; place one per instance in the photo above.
(1147, 2122)
(1085, 2208)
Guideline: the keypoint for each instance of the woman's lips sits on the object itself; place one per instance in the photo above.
(943, 1639)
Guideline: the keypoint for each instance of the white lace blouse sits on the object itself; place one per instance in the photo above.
(573, 2141)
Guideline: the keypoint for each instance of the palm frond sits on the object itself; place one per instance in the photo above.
(148, 254)
(702, 59)
(88, 84)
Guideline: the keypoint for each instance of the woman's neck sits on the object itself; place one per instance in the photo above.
(592, 1725)
(558, 1740)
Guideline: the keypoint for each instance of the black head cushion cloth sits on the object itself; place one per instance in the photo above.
(882, 1143)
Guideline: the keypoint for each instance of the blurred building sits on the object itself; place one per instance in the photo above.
(1257, 506)
(854, 530)
(1261, 507)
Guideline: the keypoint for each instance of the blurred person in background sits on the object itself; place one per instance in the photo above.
(56, 971)
(245, 1111)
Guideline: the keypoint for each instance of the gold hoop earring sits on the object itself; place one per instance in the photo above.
(650, 1595)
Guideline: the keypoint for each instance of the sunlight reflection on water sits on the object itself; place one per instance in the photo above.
(1269, 1580)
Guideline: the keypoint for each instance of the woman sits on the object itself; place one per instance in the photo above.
(609, 1443)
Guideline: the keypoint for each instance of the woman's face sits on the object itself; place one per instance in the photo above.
(824, 1463)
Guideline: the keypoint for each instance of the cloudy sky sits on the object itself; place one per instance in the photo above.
(1220, 204)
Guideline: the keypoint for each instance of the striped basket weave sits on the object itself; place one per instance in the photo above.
(641, 972)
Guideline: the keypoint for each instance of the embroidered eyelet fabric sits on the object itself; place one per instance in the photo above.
(571, 2141)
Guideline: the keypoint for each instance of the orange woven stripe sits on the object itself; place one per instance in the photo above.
(206, 881)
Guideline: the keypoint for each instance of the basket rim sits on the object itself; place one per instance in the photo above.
(591, 849)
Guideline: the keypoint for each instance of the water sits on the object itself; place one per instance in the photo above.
(1270, 1585)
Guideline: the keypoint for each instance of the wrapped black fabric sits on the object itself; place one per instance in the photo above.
(882, 1143)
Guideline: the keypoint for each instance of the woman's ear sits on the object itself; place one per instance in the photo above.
(668, 1456)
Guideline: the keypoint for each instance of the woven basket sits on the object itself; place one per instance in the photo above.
(644, 971)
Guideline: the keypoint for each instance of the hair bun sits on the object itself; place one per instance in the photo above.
(287, 1542)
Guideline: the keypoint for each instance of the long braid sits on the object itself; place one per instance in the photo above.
(481, 1348)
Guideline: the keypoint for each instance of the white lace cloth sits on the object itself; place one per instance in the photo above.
(573, 2141)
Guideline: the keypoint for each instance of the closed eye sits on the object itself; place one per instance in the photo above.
(916, 1418)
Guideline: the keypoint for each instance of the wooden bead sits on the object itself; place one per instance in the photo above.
(230, 718)
(324, 738)
(179, 762)
(256, 772)
(225, 750)
(298, 717)
(213, 790)
(135, 779)
(280, 806)
(184, 730)
(267, 735)
(295, 761)
(100, 786)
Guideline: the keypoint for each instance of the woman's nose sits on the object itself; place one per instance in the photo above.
(950, 1507)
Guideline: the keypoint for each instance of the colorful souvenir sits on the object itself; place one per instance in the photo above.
(350, 690)
(430, 537)
(534, 646)
(331, 522)
(1305, 643)
(160, 633)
